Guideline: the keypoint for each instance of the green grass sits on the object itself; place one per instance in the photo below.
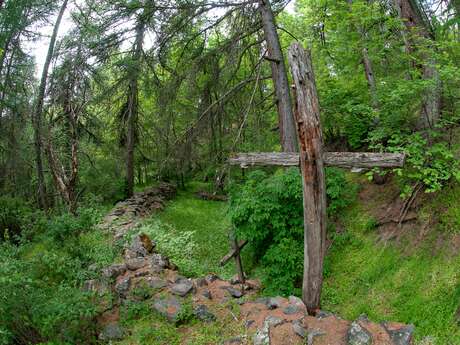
(193, 233)
(422, 288)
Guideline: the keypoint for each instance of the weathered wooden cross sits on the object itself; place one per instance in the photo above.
(312, 160)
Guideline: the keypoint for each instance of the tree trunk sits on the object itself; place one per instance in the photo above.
(280, 81)
(307, 116)
(370, 78)
(38, 109)
(133, 110)
(415, 20)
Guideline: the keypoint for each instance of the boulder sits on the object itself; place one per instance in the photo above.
(232, 291)
(202, 313)
(182, 288)
(291, 309)
(158, 263)
(402, 336)
(299, 329)
(135, 263)
(262, 336)
(114, 271)
(122, 286)
(358, 335)
(156, 283)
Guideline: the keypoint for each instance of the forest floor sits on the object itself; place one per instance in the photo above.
(408, 274)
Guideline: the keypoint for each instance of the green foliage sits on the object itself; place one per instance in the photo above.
(268, 211)
(14, 214)
(40, 295)
(432, 164)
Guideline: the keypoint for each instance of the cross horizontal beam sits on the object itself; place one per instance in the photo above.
(233, 252)
(336, 159)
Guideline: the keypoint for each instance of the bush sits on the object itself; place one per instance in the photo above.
(13, 215)
(40, 281)
(268, 211)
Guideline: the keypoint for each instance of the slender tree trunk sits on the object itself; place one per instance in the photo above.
(38, 110)
(280, 81)
(415, 21)
(133, 110)
(370, 78)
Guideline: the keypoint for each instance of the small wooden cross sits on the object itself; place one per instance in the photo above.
(312, 160)
(235, 253)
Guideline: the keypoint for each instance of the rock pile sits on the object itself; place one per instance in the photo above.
(146, 275)
(127, 213)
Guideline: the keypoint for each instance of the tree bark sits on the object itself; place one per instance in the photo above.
(335, 159)
(370, 78)
(38, 110)
(279, 76)
(133, 109)
(310, 138)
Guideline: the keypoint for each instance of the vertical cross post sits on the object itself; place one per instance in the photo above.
(307, 118)
(238, 263)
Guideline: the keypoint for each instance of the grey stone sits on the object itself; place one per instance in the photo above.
(323, 314)
(262, 336)
(299, 329)
(182, 288)
(248, 323)
(159, 261)
(135, 263)
(296, 301)
(274, 302)
(232, 291)
(357, 335)
(233, 341)
(122, 287)
(402, 336)
(136, 249)
(112, 331)
(312, 334)
(291, 309)
(203, 314)
(169, 307)
(156, 283)
(114, 271)
(211, 278)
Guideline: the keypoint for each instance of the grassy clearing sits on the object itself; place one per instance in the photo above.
(420, 288)
(193, 233)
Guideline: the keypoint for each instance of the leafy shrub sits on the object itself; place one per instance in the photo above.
(268, 211)
(13, 217)
(179, 246)
(428, 162)
(34, 308)
(40, 295)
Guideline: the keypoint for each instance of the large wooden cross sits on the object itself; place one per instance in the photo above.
(312, 160)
